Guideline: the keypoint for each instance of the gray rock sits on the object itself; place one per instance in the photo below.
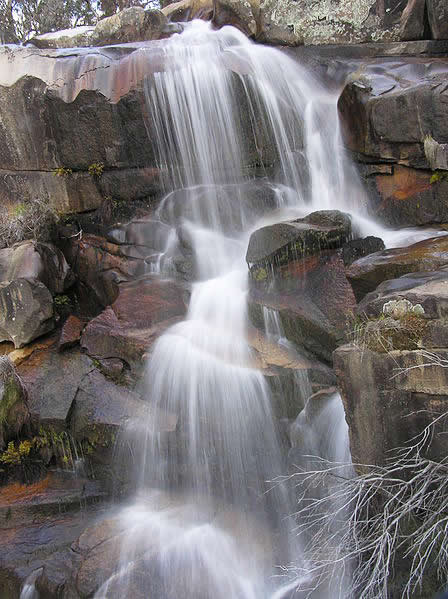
(438, 18)
(278, 244)
(42, 261)
(26, 311)
(77, 37)
(389, 399)
(344, 21)
(412, 23)
(132, 24)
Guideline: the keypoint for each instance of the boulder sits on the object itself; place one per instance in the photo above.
(128, 328)
(26, 311)
(367, 273)
(70, 332)
(294, 22)
(358, 248)
(389, 398)
(314, 301)
(101, 408)
(187, 10)
(275, 245)
(132, 24)
(78, 37)
(42, 261)
(379, 109)
(412, 22)
(14, 412)
(438, 18)
(52, 379)
(242, 14)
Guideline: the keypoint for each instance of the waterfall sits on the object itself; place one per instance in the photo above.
(206, 523)
(29, 590)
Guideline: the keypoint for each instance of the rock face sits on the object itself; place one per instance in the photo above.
(128, 328)
(380, 110)
(42, 261)
(275, 245)
(14, 412)
(412, 23)
(313, 299)
(438, 18)
(129, 25)
(26, 311)
(367, 273)
(389, 398)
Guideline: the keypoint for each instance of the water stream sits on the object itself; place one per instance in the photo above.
(206, 523)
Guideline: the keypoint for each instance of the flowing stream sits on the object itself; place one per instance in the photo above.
(206, 522)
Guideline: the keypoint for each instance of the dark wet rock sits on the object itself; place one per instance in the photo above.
(112, 367)
(314, 300)
(42, 261)
(367, 273)
(127, 329)
(438, 18)
(389, 398)
(99, 266)
(430, 289)
(409, 197)
(275, 245)
(52, 380)
(26, 311)
(70, 332)
(358, 248)
(412, 23)
(380, 110)
(59, 492)
(14, 411)
(101, 408)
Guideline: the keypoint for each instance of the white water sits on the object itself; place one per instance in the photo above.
(215, 528)
(29, 590)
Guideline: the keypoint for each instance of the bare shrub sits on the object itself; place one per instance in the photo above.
(386, 529)
(32, 220)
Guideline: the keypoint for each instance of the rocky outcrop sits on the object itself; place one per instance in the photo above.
(128, 328)
(412, 22)
(367, 273)
(187, 10)
(389, 398)
(275, 245)
(313, 299)
(41, 261)
(438, 18)
(129, 25)
(26, 311)
(14, 412)
(388, 116)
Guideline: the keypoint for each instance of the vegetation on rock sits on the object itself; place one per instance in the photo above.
(32, 220)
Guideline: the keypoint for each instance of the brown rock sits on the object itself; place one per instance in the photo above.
(143, 309)
(412, 23)
(367, 273)
(187, 10)
(132, 24)
(71, 332)
(26, 311)
(438, 18)
(389, 400)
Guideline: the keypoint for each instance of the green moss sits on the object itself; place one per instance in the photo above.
(12, 393)
(259, 274)
(438, 177)
(96, 169)
(62, 171)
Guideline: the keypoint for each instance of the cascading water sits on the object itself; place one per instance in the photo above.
(206, 523)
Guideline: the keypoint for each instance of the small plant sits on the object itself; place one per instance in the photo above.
(96, 169)
(62, 300)
(438, 177)
(16, 455)
(62, 171)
